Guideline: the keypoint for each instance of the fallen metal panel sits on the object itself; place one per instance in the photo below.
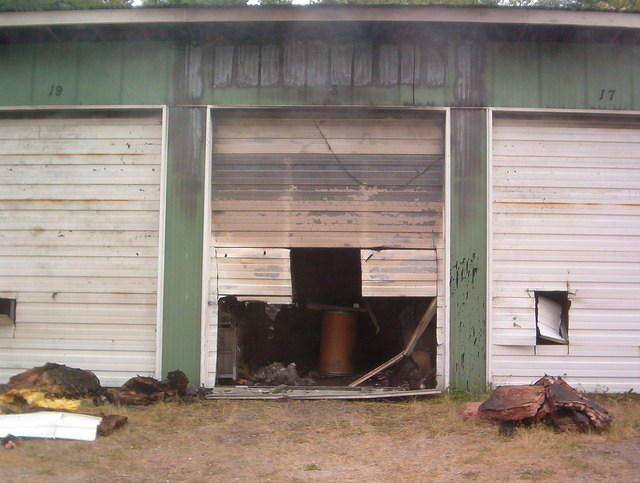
(243, 392)
(51, 425)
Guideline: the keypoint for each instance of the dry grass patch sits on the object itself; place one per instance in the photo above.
(413, 440)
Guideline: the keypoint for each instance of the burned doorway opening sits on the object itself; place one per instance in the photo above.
(329, 335)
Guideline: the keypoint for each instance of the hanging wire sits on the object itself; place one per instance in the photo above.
(362, 183)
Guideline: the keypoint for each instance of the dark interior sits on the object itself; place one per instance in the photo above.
(269, 338)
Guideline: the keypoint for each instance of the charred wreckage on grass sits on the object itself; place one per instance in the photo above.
(42, 402)
(550, 400)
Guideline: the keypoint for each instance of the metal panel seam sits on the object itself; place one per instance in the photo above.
(206, 240)
(447, 244)
(161, 234)
(489, 274)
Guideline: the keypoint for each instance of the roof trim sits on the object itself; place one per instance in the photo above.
(478, 15)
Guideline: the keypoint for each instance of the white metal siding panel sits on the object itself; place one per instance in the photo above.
(254, 273)
(566, 216)
(79, 215)
(399, 273)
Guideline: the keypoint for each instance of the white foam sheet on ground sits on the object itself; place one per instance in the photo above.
(51, 425)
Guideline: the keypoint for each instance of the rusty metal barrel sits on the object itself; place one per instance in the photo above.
(336, 342)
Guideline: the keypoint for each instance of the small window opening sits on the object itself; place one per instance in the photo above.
(552, 317)
(329, 336)
(7, 311)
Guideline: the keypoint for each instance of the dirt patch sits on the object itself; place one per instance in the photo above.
(423, 440)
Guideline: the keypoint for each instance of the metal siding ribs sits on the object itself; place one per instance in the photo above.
(79, 201)
(566, 217)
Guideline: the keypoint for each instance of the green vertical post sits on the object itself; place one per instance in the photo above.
(183, 241)
(468, 249)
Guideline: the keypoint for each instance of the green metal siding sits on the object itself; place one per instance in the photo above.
(564, 75)
(55, 76)
(99, 61)
(519, 74)
(16, 74)
(468, 249)
(183, 242)
(146, 72)
(516, 80)
(609, 81)
(85, 73)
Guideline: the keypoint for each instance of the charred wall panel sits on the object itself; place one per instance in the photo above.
(314, 179)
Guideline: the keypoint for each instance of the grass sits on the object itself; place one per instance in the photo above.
(409, 440)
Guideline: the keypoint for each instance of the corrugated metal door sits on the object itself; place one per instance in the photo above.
(327, 178)
(79, 217)
(566, 217)
(323, 179)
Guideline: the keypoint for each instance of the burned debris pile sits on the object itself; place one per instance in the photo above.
(56, 386)
(61, 390)
(141, 390)
(52, 386)
(57, 380)
(550, 400)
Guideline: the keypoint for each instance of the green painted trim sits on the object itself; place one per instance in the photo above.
(182, 295)
(468, 329)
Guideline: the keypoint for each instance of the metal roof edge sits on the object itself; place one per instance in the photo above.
(472, 15)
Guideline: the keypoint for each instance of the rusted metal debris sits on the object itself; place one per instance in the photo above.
(110, 423)
(10, 442)
(549, 400)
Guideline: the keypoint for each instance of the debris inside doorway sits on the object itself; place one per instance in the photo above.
(276, 374)
(549, 400)
(305, 344)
